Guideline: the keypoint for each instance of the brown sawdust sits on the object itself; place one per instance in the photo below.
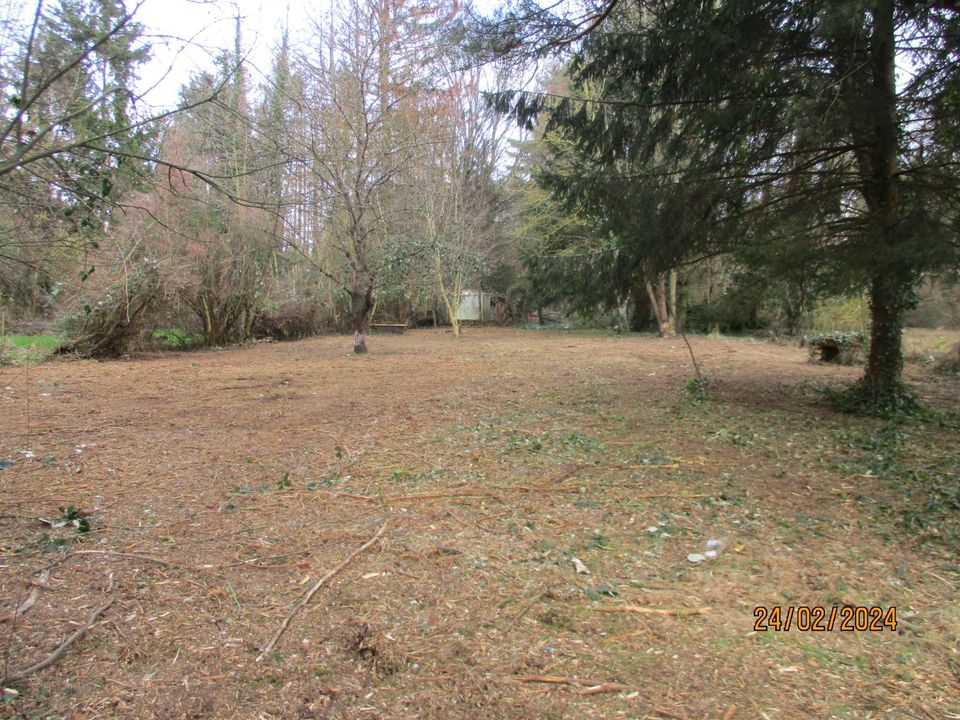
(220, 485)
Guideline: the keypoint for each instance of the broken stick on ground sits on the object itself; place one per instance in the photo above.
(56, 654)
(316, 586)
(676, 612)
(559, 680)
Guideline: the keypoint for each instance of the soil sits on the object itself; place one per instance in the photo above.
(205, 494)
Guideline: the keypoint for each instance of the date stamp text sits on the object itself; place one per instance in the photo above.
(820, 618)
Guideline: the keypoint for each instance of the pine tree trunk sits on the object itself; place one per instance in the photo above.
(885, 362)
(893, 279)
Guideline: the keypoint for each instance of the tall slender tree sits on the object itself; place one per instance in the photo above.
(360, 134)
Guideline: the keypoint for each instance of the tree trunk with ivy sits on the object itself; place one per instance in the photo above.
(893, 280)
(882, 378)
(361, 301)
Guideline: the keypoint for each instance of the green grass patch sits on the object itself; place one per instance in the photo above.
(27, 349)
(177, 339)
(41, 342)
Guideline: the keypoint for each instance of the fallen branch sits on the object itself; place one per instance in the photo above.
(313, 589)
(625, 636)
(647, 466)
(352, 496)
(26, 604)
(658, 496)
(668, 714)
(547, 488)
(56, 654)
(571, 471)
(582, 488)
(603, 688)
(254, 561)
(592, 686)
(639, 610)
(434, 496)
(134, 556)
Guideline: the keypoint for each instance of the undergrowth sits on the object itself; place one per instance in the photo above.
(925, 496)
(862, 399)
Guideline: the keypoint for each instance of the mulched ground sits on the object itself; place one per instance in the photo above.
(220, 486)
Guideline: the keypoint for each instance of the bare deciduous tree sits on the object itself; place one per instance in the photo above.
(360, 134)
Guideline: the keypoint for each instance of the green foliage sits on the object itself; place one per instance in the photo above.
(937, 509)
(736, 311)
(927, 495)
(176, 339)
(698, 390)
(774, 131)
(861, 399)
(70, 140)
(841, 313)
(71, 516)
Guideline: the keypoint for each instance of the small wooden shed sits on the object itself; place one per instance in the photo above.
(478, 306)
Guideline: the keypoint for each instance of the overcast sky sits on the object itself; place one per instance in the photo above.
(187, 35)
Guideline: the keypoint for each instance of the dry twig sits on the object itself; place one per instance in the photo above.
(148, 558)
(546, 488)
(569, 472)
(313, 589)
(603, 688)
(647, 466)
(668, 714)
(56, 654)
(525, 608)
(659, 496)
(434, 496)
(560, 680)
(639, 610)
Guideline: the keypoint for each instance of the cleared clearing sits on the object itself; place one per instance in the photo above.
(221, 486)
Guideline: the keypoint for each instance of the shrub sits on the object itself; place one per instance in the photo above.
(177, 339)
(109, 326)
(293, 319)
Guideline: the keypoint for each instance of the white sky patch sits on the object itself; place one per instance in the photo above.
(187, 37)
